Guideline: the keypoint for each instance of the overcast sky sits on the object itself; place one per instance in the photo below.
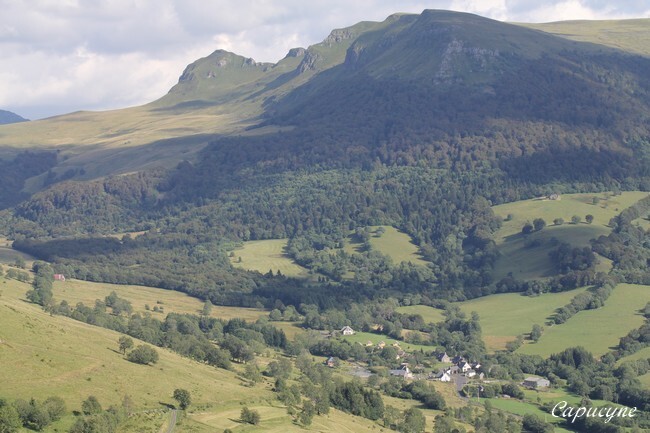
(58, 56)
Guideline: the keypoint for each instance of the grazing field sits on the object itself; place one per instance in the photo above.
(392, 243)
(645, 380)
(522, 408)
(597, 330)
(641, 354)
(526, 256)
(45, 355)
(170, 301)
(429, 314)
(607, 207)
(262, 256)
(504, 316)
(8, 255)
(525, 260)
(274, 419)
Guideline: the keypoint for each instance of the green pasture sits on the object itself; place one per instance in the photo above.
(44, 355)
(641, 354)
(266, 255)
(504, 316)
(392, 243)
(527, 256)
(429, 314)
(597, 330)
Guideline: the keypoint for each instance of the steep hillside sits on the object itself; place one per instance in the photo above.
(421, 122)
(446, 72)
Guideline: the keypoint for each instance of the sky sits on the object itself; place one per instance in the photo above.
(59, 56)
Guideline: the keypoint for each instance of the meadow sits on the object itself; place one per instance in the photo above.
(265, 255)
(429, 314)
(527, 256)
(44, 355)
(597, 330)
(392, 243)
(504, 316)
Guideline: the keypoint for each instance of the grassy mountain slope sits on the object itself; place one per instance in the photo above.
(44, 355)
(224, 93)
(632, 35)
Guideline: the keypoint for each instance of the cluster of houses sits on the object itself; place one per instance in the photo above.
(459, 367)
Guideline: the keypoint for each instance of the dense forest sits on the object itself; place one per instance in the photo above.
(426, 147)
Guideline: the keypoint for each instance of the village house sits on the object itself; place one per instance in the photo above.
(404, 372)
(536, 382)
(331, 362)
(443, 376)
(346, 330)
(457, 359)
(59, 277)
(465, 366)
(443, 357)
(381, 345)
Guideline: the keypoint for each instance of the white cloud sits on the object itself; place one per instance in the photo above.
(58, 56)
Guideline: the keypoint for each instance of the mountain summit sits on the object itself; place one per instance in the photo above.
(7, 117)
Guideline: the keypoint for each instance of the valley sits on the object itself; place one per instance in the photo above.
(396, 228)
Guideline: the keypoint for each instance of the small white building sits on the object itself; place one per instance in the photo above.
(444, 377)
(346, 330)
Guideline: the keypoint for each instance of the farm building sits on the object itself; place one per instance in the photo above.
(346, 330)
(536, 382)
(59, 277)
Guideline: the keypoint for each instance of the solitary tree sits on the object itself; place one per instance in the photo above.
(536, 332)
(538, 224)
(558, 221)
(250, 416)
(125, 343)
(91, 405)
(143, 355)
(183, 397)
(575, 219)
(527, 228)
(207, 308)
(589, 218)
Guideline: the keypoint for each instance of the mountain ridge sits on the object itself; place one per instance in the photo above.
(224, 94)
